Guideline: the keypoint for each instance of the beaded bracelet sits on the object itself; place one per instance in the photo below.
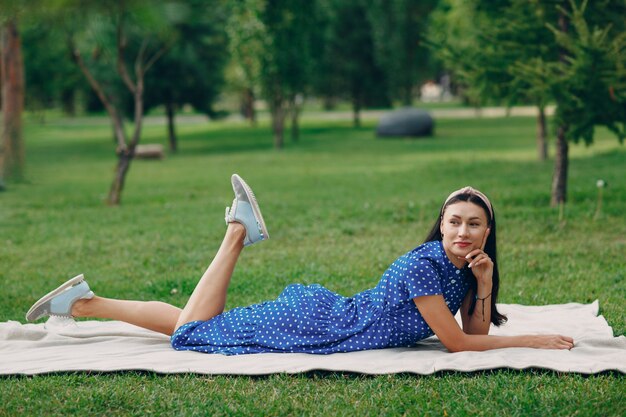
(483, 300)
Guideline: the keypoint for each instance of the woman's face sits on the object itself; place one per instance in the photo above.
(464, 228)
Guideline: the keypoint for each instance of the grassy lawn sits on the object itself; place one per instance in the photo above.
(340, 205)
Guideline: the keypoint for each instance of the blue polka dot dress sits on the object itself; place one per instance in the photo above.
(312, 319)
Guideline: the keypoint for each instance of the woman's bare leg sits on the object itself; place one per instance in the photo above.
(209, 297)
(207, 300)
(153, 315)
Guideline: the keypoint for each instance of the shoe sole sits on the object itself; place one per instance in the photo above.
(254, 204)
(69, 283)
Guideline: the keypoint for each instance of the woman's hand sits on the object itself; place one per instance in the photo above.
(481, 265)
(552, 341)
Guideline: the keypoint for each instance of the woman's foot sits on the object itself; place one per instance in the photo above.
(59, 302)
(245, 210)
(79, 308)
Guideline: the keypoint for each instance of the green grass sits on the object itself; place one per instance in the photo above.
(340, 205)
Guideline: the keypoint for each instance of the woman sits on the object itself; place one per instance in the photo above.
(418, 295)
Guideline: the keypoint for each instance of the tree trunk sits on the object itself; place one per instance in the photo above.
(68, 101)
(11, 142)
(278, 126)
(409, 60)
(171, 131)
(356, 111)
(407, 86)
(329, 103)
(295, 128)
(277, 108)
(248, 106)
(123, 164)
(294, 112)
(559, 179)
(408, 96)
(126, 155)
(542, 146)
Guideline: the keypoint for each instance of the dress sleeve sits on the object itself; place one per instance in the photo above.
(422, 278)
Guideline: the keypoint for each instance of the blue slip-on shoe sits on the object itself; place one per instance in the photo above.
(245, 210)
(60, 301)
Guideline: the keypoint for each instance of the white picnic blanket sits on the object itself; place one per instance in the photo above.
(114, 346)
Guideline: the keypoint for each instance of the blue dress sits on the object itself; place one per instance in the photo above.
(312, 319)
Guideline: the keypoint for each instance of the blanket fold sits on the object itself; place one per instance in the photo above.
(31, 349)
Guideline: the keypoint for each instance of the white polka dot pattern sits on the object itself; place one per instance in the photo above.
(313, 319)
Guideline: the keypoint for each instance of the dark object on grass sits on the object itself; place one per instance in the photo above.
(406, 122)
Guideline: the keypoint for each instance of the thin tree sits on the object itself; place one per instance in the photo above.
(145, 53)
(270, 43)
(286, 60)
(246, 44)
(12, 68)
(589, 86)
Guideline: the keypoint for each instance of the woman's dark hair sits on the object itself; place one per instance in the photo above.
(490, 249)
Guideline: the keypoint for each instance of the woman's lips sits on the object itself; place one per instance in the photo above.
(462, 244)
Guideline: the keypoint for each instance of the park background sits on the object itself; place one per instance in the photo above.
(288, 94)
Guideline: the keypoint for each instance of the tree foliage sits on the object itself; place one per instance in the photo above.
(398, 32)
(484, 43)
(526, 51)
(52, 80)
(286, 61)
(510, 50)
(247, 38)
(192, 70)
(589, 84)
(349, 68)
(271, 42)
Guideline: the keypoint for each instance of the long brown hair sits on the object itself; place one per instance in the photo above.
(490, 249)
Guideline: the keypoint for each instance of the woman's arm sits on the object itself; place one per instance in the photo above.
(482, 268)
(438, 317)
(480, 320)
